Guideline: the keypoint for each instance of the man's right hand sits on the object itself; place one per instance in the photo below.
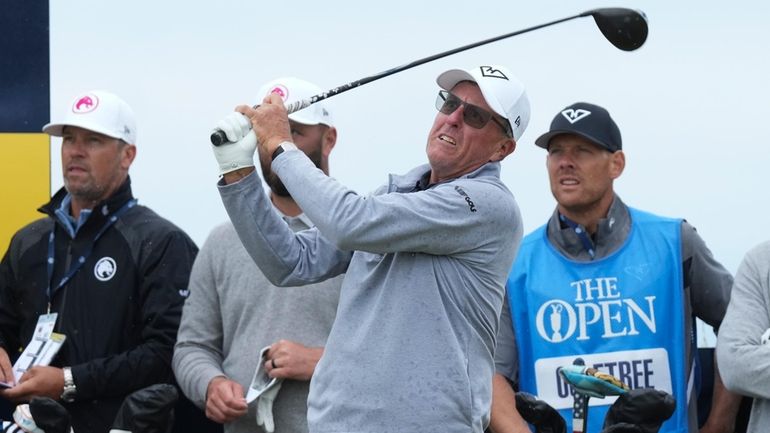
(225, 401)
(270, 122)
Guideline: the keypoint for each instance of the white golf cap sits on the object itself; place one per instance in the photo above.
(101, 112)
(503, 92)
(292, 89)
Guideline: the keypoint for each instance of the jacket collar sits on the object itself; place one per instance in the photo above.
(414, 179)
(106, 207)
(610, 234)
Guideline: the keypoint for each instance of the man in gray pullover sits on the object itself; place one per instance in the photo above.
(426, 258)
(743, 345)
(233, 310)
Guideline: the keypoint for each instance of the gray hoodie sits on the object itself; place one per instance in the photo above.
(412, 346)
(743, 356)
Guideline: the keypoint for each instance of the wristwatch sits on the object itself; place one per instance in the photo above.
(286, 145)
(68, 395)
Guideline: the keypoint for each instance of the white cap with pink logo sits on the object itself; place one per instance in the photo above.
(101, 112)
(292, 89)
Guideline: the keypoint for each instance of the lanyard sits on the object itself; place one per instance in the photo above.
(82, 259)
(581, 234)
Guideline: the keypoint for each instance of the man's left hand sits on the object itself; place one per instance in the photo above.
(239, 153)
(37, 381)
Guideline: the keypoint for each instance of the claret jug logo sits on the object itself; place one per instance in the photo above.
(598, 310)
(552, 329)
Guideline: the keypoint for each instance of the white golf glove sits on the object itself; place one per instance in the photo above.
(265, 407)
(239, 153)
(264, 389)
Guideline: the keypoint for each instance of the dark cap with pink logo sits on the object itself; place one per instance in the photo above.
(101, 112)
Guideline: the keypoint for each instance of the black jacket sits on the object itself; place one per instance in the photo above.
(120, 322)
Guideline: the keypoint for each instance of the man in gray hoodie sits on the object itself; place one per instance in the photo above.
(426, 258)
(743, 345)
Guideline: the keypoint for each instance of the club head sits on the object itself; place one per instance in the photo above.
(624, 28)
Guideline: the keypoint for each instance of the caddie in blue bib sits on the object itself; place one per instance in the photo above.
(622, 314)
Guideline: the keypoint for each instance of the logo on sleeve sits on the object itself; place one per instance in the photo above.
(467, 199)
(105, 269)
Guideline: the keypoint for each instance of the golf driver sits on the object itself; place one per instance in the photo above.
(624, 28)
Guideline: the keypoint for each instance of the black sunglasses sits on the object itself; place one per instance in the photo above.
(473, 116)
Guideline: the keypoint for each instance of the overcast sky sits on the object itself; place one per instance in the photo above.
(692, 103)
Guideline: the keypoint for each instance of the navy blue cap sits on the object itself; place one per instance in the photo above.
(589, 121)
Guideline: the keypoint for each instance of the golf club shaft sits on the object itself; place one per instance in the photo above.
(580, 413)
(298, 105)
(218, 137)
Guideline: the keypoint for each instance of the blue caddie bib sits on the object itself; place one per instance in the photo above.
(622, 314)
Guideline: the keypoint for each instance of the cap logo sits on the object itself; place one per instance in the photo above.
(85, 104)
(573, 115)
(488, 71)
(281, 91)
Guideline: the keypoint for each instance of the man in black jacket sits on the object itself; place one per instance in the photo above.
(111, 274)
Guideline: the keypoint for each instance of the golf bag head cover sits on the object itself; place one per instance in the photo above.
(646, 408)
(49, 415)
(540, 414)
(148, 410)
